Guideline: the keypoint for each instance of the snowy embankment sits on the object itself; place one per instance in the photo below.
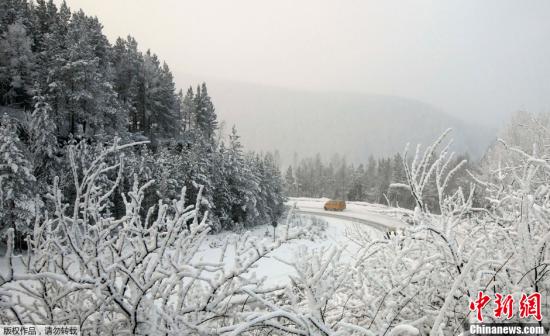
(333, 230)
(330, 232)
(375, 215)
(327, 233)
(222, 268)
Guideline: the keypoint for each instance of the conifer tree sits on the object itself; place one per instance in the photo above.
(43, 140)
(290, 182)
(128, 75)
(206, 120)
(83, 95)
(16, 181)
(188, 110)
(16, 66)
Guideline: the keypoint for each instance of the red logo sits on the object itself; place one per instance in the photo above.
(529, 306)
(505, 307)
(477, 305)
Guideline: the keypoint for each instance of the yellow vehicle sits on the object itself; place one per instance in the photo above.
(335, 205)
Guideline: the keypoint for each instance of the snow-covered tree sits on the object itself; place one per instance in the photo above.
(205, 118)
(188, 110)
(16, 182)
(16, 65)
(134, 274)
(156, 108)
(356, 190)
(127, 64)
(82, 96)
(290, 182)
(43, 140)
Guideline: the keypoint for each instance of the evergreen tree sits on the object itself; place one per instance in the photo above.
(188, 110)
(205, 115)
(371, 180)
(223, 199)
(83, 95)
(271, 185)
(50, 49)
(383, 180)
(16, 66)
(241, 183)
(44, 22)
(156, 109)
(43, 140)
(12, 11)
(16, 181)
(290, 182)
(127, 64)
(357, 192)
(397, 195)
(342, 181)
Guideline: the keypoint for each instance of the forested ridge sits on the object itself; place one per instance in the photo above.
(378, 181)
(63, 84)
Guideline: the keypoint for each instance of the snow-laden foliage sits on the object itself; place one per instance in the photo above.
(141, 274)
(133, 274)
(423, 277)
(16, 181)
(64, 83)
(44, 148)
(16, 62)
(420, 280)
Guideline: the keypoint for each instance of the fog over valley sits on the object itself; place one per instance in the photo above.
(426, 64)
(299, 123)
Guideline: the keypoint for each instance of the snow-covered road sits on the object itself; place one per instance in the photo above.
(376, 216)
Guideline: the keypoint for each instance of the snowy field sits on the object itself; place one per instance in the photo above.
(327, 233)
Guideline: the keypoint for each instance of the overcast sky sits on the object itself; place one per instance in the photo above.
(479, 60)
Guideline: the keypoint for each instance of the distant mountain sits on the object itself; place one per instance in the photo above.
(353, 125)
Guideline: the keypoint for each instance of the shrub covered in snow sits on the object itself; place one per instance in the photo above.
(139, 274)
(134, 274)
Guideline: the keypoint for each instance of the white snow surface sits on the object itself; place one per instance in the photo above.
(356, 215)
(334, 235)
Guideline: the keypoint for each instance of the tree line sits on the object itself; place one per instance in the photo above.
(381, 180)
(63, 85)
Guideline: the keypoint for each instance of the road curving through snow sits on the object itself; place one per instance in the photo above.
(356, 212)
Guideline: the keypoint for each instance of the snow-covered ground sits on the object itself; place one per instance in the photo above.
(330, 232)
(322, 234)
(327, 233)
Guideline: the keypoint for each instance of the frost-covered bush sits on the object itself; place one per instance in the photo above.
(420, 280)
(425, 276)
(133, 274)
(315, 226)
(137, 274)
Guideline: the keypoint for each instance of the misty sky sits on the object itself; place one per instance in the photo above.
(478, 60)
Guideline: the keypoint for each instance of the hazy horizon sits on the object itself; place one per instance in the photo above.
(477, 61)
